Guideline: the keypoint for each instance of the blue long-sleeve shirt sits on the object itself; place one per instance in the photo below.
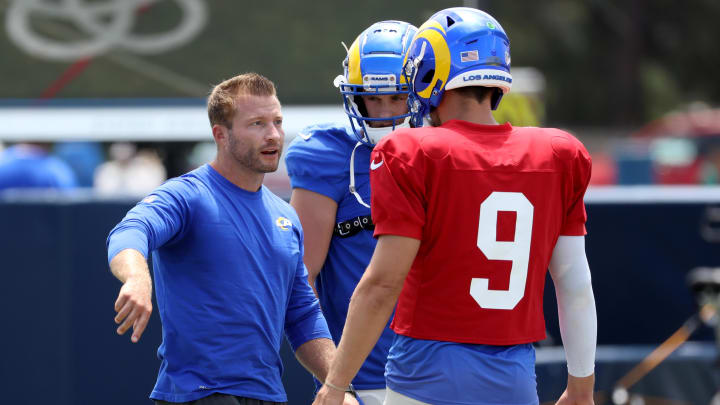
(229, 278)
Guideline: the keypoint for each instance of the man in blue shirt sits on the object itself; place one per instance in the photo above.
(227, 261)
(329, 167)
(30, 165)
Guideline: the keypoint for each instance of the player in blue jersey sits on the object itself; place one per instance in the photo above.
(329, 168)
(227, 263)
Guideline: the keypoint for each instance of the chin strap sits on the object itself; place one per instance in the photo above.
(374, 135)
(352, 176)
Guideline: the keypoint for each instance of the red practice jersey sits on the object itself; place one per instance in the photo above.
(488, 203)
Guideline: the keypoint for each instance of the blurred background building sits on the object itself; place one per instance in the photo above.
(138, 71)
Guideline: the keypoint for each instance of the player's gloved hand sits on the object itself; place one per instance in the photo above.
(134, 305)
(579, 391)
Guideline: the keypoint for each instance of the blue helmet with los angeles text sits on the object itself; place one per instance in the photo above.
(456, 47)
(374, 65)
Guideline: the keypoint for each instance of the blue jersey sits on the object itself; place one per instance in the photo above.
(31, 167)
(449, 373)
(318, 159)
(229, 278)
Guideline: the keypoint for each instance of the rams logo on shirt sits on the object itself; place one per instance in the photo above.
(283, 223)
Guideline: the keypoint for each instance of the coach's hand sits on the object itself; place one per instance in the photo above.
(350, 400)
(134, 303)
(579, 391)
(326, 396)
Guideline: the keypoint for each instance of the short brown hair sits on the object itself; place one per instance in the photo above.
(221, 102)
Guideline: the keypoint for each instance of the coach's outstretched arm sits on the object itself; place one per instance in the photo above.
(577, 317)
(134, 303)
(147, 226)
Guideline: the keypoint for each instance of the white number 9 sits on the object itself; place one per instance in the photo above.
(517, 251)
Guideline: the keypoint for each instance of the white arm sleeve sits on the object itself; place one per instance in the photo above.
(576, 304)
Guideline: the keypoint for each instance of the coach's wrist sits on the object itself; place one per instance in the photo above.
(348, 390)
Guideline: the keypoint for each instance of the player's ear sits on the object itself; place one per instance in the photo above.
(220, 134)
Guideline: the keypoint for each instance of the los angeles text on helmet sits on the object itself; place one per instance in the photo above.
(487, 77)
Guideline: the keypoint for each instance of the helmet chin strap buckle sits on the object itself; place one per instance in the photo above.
(409, 68)
(415, 106)
(339, 81)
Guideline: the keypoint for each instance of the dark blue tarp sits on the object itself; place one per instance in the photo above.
(58, 334)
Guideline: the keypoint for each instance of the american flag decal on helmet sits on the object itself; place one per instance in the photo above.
(469, 56)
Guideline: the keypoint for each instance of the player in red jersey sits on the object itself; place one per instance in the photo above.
(469, 215)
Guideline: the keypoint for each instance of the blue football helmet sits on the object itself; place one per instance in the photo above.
(374, 65)
(456, 47)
